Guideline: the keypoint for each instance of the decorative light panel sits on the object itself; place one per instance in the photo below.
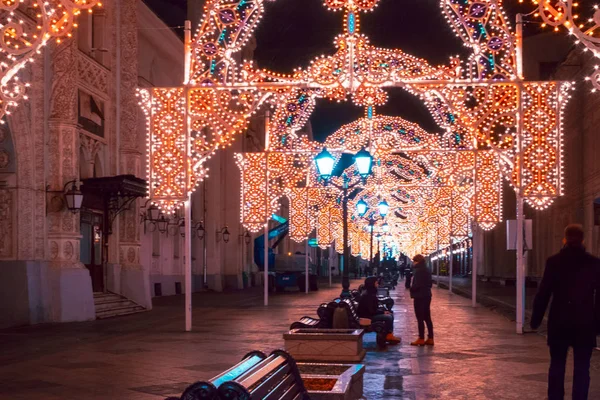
(479, 104)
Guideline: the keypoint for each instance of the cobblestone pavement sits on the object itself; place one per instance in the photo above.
(147, 356)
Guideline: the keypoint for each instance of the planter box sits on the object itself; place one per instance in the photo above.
(337, 345)
(333, 381)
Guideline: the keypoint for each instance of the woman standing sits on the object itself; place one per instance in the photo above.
(420, 291)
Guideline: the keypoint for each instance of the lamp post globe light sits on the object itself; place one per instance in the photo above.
(384, 208)
(364, 162)
(325, 162)
(361, 207)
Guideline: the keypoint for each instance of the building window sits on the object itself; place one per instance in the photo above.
(91, 35)
(91, 114)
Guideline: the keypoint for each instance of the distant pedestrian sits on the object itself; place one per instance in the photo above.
(572, 280)
(408, 277)
(420, 291)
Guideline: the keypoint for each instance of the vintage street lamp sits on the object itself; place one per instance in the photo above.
(362, 207)
(73, 197)
(200, 230)
(385, 227)
(384, 208)
(364, 162)
(325, 162)
(224, 233)
(162, 224)
(247, 238)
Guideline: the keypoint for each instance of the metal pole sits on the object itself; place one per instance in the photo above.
(520, 216)
(266, 248)
(306, 268)
(520, 266)
(266, 266)
(346, 257)
(329, 259)
(451, 244)
(188, 264)
(451, 267)
(372, 226)
(204, 253)
(438, 251)
(474, 256)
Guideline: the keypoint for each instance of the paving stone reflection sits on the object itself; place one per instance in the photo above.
(148, 356)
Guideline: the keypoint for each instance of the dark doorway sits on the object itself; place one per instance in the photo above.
(91, 247)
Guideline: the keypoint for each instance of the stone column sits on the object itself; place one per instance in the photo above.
(135, 279)
(71, 287)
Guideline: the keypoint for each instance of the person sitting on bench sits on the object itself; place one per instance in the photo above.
(368, 307)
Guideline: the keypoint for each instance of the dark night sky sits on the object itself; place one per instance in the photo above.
(292, 32)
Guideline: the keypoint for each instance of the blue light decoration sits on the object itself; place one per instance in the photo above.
(384, 208)
(351, 23)
(370, 112)
(364, 162)
(362, 207)
(325, 162)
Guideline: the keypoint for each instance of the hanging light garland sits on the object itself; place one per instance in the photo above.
(26, 26)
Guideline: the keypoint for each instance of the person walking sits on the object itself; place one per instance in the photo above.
(420, 291)
(368, 307)
(572, 280)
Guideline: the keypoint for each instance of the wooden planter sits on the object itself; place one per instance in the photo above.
(336, 345)
(333, 381)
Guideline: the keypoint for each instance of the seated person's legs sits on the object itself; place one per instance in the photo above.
(388, 319)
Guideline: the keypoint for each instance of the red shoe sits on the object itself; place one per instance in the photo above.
(418, 342)
(429, 342)
(391, 339)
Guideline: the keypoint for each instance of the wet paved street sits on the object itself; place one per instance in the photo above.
(147, 356)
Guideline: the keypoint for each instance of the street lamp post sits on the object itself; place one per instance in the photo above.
(325, 163)
(362, 207)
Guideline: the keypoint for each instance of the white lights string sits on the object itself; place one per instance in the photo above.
(26, 26)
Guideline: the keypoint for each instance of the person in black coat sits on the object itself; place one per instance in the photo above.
(572, 280)
(368, 307)
(420, 291)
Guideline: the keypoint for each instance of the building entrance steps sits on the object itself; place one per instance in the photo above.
(112, 305)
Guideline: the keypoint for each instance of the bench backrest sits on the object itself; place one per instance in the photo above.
(274, 378)
(209, 390)
(350, 306)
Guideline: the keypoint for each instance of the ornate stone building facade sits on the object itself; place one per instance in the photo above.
(82, 124)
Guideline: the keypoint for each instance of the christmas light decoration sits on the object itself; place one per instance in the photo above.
(493, 125)
(564, 13)
(26, 26)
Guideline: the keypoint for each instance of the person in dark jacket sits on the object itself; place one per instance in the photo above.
(368, 307)
(420, 291)
(572, 280)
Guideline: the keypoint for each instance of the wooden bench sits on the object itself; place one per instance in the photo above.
(377, 327)
(276, 377)
(209, 390)
(323, 322)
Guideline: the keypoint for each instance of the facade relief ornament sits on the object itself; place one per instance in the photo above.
(53, 250)
(92, 74)
(68, 250)
(90, 146)
(4, 158)
(63, 98)
(6, 224)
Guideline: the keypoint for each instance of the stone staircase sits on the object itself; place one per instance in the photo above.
(112, 305)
